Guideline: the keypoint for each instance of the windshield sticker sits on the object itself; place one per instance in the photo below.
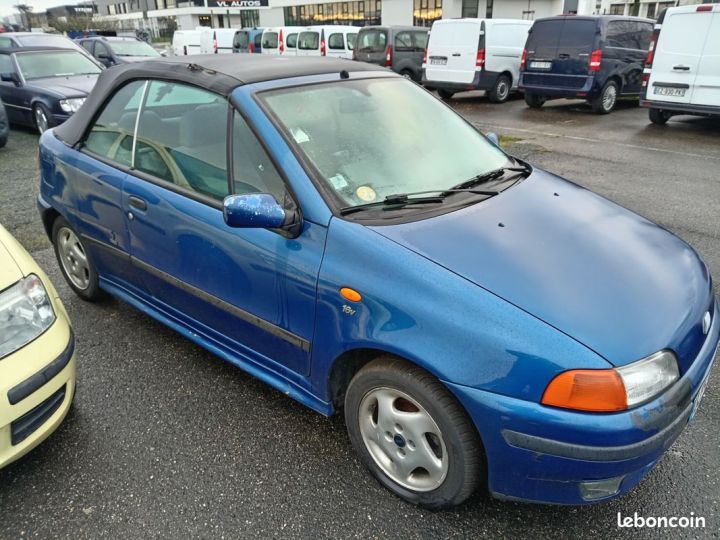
(366, 193)
(338, 182)
(300, 136)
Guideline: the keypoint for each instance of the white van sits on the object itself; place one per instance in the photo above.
(475, 54)
(280, 40)
(682, 70)
(186, 42)
(329, 40)
(217, 40)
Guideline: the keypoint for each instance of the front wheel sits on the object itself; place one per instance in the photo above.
(412, 434)
(534, 101)
(446, 94)
(43, 118)
(659, 117)
(606, 101)
(500, 90)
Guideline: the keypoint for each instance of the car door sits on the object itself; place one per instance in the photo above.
(11, 93)
(250, 291)
(707, 82)
(95, 175)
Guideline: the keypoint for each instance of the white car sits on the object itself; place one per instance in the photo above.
(328, 40)
(186, 42)
(280, 40)
(682, 70)
(475, 54)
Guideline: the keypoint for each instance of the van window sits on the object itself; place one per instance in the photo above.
(420, 40)
(241, 41)
(403, 42)
(644, 35)
(621, 34)
(258, 40)
(336, 41)
(270, 40)
(372, 41)
(308, 41)
(351, 41)
(578, 33)
(545, 33)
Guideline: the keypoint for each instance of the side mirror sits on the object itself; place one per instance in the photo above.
(10, 76)
(493, 138)
(254, 211)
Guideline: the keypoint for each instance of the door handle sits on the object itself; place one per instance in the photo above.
(681, 68)
(456, 54)
(136, 202)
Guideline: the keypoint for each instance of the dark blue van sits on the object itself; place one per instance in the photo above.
(599, 59)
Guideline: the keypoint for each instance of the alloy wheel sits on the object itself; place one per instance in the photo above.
(609, 97)
(41, 120)
(73, 258)
(403, 439)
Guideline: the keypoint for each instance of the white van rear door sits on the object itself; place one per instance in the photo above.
(707, 82)
(504, 43)
(677, 55)
(452, 51)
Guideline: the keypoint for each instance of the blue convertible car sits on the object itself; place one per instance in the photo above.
(338, 232)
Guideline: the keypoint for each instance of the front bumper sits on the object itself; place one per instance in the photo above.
(543, 454)
(36, 389)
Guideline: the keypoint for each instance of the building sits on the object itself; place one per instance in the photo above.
(637, 8)
(163, 16)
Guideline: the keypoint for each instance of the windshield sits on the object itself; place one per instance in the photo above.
(372, 41)
(133, 48)
(55, 64)
(377, 137)
(270, 40)
(308, 41)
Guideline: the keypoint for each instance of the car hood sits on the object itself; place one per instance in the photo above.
(608, 278)
(77, 86)
(10, 272)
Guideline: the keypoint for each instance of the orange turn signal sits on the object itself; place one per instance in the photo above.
(597, 390)
(350, 294)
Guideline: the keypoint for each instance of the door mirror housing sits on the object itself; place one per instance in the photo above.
(10, 76)
(493, 138)
(259, 211)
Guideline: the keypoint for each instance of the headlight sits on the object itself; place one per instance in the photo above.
(71, 105)
(609, 390)
(25, 313)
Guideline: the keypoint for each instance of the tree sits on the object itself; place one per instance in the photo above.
(25, 11)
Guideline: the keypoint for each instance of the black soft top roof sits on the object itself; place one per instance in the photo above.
(218, 73)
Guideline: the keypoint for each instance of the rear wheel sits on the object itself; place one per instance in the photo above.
(3, 141)
(606, 101)
(446, 94)
(500, 90)
(534, 101)
(412, 434)
(659, 117)
(75, 262)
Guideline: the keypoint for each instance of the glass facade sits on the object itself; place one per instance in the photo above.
(425, 12)
(469, 9)
(249, 18)
(358, 13)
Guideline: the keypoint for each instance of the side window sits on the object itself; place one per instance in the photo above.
(403, 41)
(351, 41)
(619, 34)
(291, 41)
(258, 41)
(87, 45)
(253, 172)
(420, 40)
(644, 36)
(100, 48)
(6, 64)
(111, 134)
(182, 138)
(6, 42)
(336, 41)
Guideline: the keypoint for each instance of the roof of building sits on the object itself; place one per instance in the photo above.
(219, 73)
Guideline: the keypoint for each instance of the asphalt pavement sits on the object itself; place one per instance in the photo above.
(166, 440)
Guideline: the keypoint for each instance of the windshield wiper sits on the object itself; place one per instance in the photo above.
(488, 176)
(400, 200)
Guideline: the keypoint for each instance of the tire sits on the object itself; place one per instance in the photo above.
(447, 442)
(445, 94)
(3, 141)
(42, 118)
(500, 91)
(606, 101)
(75, 262)
(408, 74)
(534, 101)
(659, 117)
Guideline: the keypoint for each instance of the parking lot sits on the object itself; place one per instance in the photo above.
(167, 440)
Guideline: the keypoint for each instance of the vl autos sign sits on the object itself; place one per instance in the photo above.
(242, 4)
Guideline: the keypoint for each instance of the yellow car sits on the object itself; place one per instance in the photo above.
(37, 353)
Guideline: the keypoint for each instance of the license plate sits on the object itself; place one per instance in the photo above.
(540, 65)
(438, 61)
(669, 92)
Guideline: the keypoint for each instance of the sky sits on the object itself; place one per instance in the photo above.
(6, 6)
